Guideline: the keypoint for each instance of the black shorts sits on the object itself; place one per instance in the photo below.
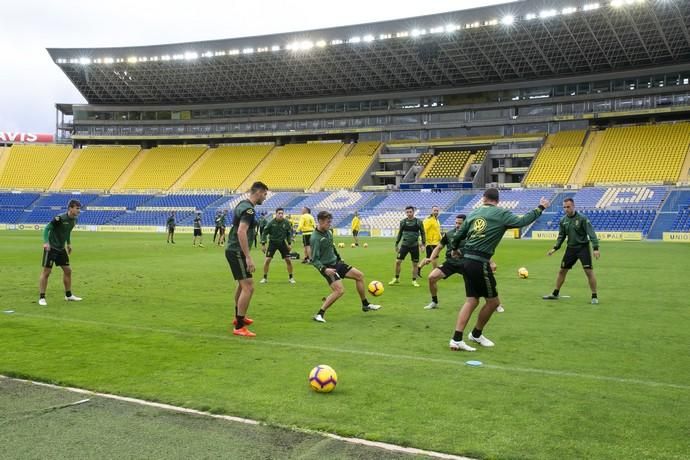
(306, 240)
(412, 251)
(238, 265)
(479, 279)
(451, 269)
(572, 254)
(341, 270)
(429, 249)
(273, 247)
(355, 232)
(197, 232)
(171, 229)
(52, 256)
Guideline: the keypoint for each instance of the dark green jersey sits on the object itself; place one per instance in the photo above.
(243, 212)
(323, 250)
(263, 222)
(410, 231)
(57, 232)
(171, 222)
(579, 231)
(277, 231)
(485, 227)
(445, 241)
(222, 220)
(217, 220)
(197, 222)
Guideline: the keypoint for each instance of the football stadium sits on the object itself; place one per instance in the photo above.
(539, 99)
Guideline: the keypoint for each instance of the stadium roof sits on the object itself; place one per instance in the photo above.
(516, 42)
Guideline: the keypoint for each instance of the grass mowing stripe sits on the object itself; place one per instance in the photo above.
(363, 442)
(555, 373)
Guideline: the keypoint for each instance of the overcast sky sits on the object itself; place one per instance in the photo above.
(31, 83)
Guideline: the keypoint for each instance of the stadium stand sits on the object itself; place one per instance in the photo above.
(227, 167)
(119, 201)
(641, 154)
(60, 200)
(196, 202)
(98, 167)
(390, 210)
(160, 167)
(449, 164)
(17, 200)
(350, 170)
(156, 218)
(292, 166)
(33, 167)
(556, 160)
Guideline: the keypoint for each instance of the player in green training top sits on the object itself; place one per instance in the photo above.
(57, 247)
(279, 234)
(410, 231)
(579, 231)
(222, 221)
(240, 260)
(483, 231)
(451, 265)
(170, 224)
(328, 262)
(197, 230)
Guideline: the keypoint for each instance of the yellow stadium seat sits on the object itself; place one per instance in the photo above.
(33, 167)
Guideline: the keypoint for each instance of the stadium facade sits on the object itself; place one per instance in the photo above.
(541, 94)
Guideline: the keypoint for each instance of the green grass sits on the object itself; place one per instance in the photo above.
(566, 379)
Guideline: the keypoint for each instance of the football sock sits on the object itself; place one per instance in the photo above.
(290, 275)
(265, 276)
(68, 293)
(235, 310)
(240, 322)
(457, 336)
(594, 295)
(476, 333)
(365, 303)
(42, 295)
(434, 299)
(555, 292)
(321, 312)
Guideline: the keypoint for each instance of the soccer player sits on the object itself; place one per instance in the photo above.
(197, 230)
(579, 231)
(451, 266)
(432, 231)
(223, 218)
(279, 235)
(171, 227)
(411, 230)
(328, 262)
(239, 258)
(216, 220)
(306, 226)
(483, 231)
(356, 223)
(57, 247)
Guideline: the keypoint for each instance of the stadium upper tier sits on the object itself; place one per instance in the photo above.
(522, 41)
(97, 168)
(556, 160)
(350, 170)
(297, 166)
(653, 153)
(32, 167)
(159, 167)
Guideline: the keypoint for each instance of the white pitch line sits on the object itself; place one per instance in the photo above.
(230, 418)
(255, 341)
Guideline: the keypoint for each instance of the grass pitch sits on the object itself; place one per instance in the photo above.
(566, 379)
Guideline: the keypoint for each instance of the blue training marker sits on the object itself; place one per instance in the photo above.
(473, 363)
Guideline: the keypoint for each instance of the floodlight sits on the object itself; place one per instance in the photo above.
(508, 20)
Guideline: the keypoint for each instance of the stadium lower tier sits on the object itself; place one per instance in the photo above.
(644, 211)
